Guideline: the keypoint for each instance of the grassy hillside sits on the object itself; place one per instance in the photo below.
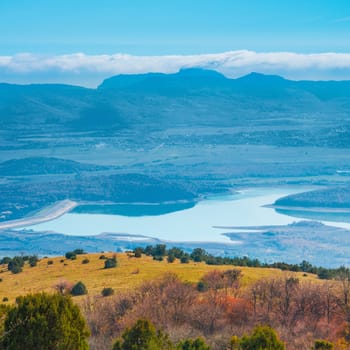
(130, 273)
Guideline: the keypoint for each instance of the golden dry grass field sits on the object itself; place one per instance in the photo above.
(129, 273)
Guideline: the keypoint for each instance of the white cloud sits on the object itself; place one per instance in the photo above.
(80, 68)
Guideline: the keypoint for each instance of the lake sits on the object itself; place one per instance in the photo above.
(188, 223)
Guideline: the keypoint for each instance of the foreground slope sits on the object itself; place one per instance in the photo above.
(129, 273)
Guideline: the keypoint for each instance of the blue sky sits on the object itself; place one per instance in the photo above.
(157, 27)
(40, 39)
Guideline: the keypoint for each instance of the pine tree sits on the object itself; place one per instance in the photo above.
(45, 322)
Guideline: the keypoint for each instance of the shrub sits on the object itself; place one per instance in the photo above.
(106, 292)
(137, 252)
(5, 260)
(190, 344)
(85, 261)
(79, 251)
(15, 265)
(50, 262)
(177, 252)
(171, 258)
(160, 250)
(263, 337)
(143, 336)
(63, 287)
(33, 260)
(103, 257)
(110, 263)
(5, 299)
(44, 321)
(202, 286)
(71, 255)
(199, 254)
(323, 345)
(158, 258)
(185, 259)
(324, 274)
(79, 289)
(14, 268)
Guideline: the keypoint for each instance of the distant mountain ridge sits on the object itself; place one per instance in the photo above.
(192, 97)
(191, 77)
(199, 78)
(43, 166)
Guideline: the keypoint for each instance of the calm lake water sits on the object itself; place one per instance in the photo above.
(195, 223)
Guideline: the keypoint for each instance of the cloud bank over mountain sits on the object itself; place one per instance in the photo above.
(90, 70)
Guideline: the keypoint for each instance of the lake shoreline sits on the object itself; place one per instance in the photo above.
(309, 209)
(49, 213)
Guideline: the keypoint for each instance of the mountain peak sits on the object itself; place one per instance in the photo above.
(196, 72)
(260, 77)
(184, 77)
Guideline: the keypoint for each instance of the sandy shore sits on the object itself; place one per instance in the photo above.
(49, 213)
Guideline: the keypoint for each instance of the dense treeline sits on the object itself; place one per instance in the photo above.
(160, 251)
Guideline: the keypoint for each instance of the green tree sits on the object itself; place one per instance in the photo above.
(108, 291)
(177, 252)
(16, 264)
(33, 260)
(262, 338)
(71, 255)
(79, 251)
(190, 344)
(45, 322)
(171, 258)
(110, 263)
(143, 336)
(323, 345)
(3, 312)
(198, 255)
(79, 289)
(185, 259)
(160, 250)
(138, 252)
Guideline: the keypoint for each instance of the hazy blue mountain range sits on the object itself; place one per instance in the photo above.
(173, 138)
(264, 109)
(196, 129)
(40, 166)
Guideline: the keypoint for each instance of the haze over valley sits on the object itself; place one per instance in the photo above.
(155, 144)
